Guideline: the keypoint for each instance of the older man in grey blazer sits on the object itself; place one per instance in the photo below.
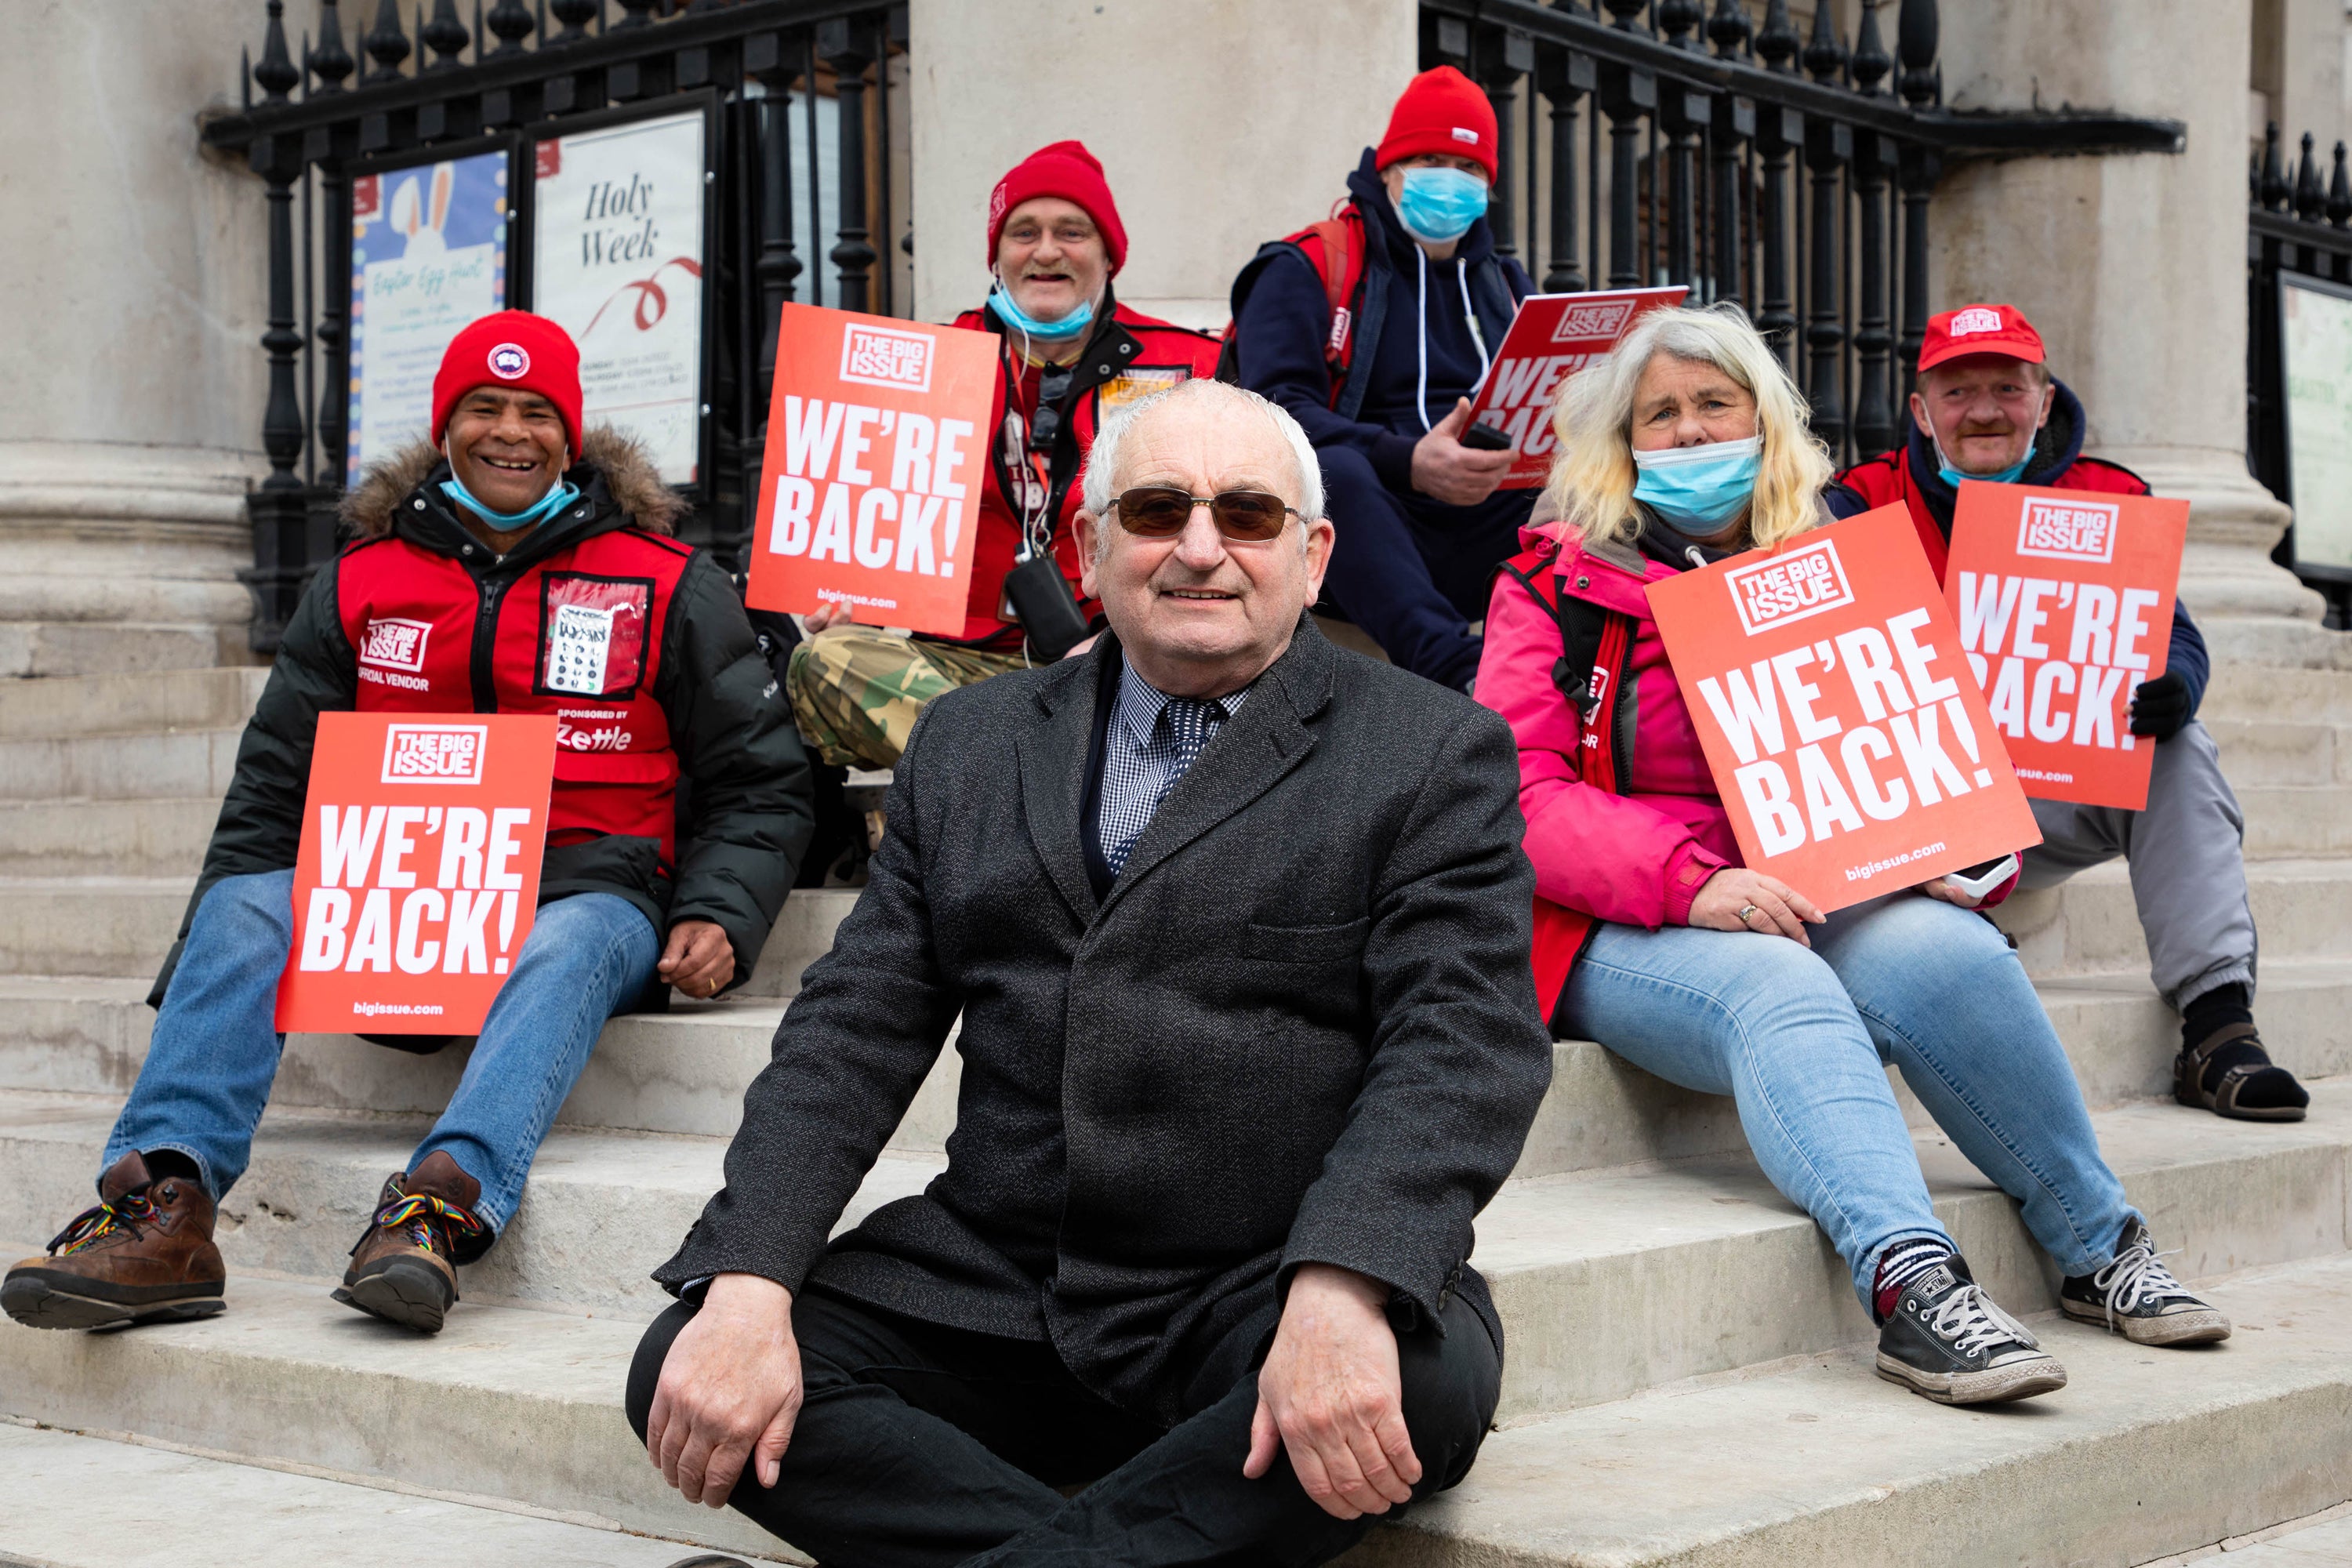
(1237, 924)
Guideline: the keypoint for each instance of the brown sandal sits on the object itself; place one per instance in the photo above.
(2221, 1100)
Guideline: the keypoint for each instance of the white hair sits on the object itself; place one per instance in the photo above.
(1102, 459)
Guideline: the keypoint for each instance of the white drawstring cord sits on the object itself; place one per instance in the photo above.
(1470, 315)
(1420, 386)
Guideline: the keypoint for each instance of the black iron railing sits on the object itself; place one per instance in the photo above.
(807, 200)
(1748, 160)
(2299, 238)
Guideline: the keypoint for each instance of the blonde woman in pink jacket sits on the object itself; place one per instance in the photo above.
(1688, 444)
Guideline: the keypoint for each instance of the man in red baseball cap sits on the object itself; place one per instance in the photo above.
(1068, 353)
(1985, 407)
(508, 562)
(1372, 328)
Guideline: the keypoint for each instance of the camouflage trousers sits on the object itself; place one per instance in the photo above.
(856, 691)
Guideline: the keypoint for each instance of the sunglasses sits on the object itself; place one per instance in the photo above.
(1158, 512)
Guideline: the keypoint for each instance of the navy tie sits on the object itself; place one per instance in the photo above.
(1183, 728)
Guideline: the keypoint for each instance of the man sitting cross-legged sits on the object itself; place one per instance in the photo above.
(1237, 926)
(447, 602)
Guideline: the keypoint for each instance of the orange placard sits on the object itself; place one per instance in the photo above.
(878, 450)
(419, 870)
(2064, 603)
(1827, 685)
(1551, 338)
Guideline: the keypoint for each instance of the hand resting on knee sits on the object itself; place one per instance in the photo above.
(1735, 899)
(1331, 1393)
(729, 1391)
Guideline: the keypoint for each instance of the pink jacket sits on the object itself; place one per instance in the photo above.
(1637, 858)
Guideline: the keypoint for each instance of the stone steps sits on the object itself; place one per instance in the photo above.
(73, 1501)
(66, 649)
(1610, 1280)
(142, 766)
(85, 837)
(2143, 1453)
(2090, 925)
(155, 700)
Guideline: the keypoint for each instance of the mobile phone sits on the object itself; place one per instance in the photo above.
(1485, 439)
(1982, 878)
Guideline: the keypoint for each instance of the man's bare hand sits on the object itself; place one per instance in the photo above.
(698, 959)
(1330, 1392)
(825, 617)
(1774, 908)
(729, 1391)
(1444, 469)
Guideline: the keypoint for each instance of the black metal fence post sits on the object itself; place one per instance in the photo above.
(1502, 58)
(1565, 77)
(848, 50)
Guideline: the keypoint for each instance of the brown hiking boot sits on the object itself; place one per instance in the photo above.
(404, 1269)
(144, 1255)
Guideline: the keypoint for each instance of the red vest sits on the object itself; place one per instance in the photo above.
(577, 636)
(1167, 353)
(1887, 477)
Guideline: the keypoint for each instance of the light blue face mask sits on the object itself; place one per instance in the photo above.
(1695, 491)
(1952, 476)
(1020, 320)
(1439, 205)
(559, 496)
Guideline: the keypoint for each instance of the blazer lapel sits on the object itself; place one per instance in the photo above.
(1053, 775)
(1249, 755)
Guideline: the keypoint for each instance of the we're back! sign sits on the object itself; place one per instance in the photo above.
(878, 450)
(1828, 691)
(2065, 604)
(418, 873)
(1551, 338)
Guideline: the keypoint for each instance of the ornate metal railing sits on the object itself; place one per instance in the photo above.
(823, 74)
(2299, 236)
(1750, 162)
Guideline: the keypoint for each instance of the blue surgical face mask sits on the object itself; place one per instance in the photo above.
(1695, 491)
(999, 299)
(1952, 476)
(1439, 205)
(558, 495)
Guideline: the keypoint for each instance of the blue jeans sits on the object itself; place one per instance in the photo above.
(1800, 1038)
(214, 1050)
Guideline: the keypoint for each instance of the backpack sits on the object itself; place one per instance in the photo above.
(1335, 248)
(1597, 652)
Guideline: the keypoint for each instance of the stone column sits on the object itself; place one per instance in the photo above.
(132, 282)
(2134, 268)
(1220, 123)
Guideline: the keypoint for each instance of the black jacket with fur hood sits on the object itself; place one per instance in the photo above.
(745, 813)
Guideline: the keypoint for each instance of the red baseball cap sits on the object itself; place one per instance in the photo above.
(1063, 168)
(1440, 111)
(1980, 329)
(510, 348)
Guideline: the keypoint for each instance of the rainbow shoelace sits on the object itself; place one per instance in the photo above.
(92, 1225)
(418, 1214)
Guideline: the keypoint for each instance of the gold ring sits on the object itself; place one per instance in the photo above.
(1745, 910)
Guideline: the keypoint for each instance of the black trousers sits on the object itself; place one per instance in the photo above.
(920, 1446)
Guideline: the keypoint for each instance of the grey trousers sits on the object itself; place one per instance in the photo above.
(2188, 866)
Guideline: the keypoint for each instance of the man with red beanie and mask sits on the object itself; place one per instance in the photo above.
(1067, 353)
(468, 549)
(1372, 328)
(1985, 407)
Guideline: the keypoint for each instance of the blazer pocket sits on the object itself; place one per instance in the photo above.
(1305, 944)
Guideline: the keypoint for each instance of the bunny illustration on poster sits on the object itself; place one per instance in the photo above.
(422, 224)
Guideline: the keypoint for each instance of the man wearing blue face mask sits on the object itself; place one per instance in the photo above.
(1986, 407)
(1372, 328)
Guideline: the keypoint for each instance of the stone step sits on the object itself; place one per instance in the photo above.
(2089, 923)
(149, 765)
(2296, 821)
(686, 1070)
(90, 925)
(216, 698)
(82, 837)
(2258, 691)
(2257, 751)
(1610, 1280)
(505, 1403)
(2323, 1543)
(74, 1501)
(85, 648)
(2143, 1453)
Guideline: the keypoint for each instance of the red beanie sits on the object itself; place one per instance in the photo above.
(512, 348)
(1442, 110)
(1069, 170)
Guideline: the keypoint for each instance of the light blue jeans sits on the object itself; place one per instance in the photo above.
(1800, 1038)
(214, 1050)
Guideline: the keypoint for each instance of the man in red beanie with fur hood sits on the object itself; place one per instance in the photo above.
(1372, 328)
(1068, 354)
(475, 554)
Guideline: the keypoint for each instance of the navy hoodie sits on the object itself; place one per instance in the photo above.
(2057, 447)
(1282, 325)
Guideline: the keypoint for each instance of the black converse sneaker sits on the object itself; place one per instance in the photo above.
(1946, 1341)
(2137, 1297)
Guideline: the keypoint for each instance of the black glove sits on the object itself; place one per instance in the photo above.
(2161, 707)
